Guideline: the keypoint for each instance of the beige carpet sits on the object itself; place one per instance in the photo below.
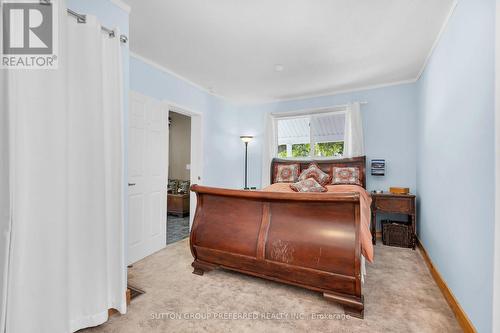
(400, 296)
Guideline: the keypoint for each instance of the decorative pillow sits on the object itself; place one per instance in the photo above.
(286, 173)
(307, 185)
(313, 171)
(345, 176)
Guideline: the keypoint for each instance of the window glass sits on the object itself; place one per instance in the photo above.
(282, 151)
(294, 137)
(329, 149)
(324, 132)
(301, 150)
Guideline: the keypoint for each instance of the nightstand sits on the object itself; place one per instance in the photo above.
(394, 203)
(178, 204)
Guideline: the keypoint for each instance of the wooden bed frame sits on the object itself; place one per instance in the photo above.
(309, 240)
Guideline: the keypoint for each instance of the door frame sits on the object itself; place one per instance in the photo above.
(196, 159)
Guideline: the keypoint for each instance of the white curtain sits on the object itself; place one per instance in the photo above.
(269, 151)
(62, 241)
(353, 132)
(4, 198)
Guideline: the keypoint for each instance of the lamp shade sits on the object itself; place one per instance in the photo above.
(246, 138)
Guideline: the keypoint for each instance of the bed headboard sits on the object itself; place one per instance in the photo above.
(325, 165)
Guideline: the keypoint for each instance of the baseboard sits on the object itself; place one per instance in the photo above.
(114, 311)
(462, 318)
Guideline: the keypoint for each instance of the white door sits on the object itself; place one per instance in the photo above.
(147, 170)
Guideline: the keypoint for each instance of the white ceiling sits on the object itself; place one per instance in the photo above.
(325, 46)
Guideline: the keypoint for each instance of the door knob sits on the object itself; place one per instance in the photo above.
(131, 184)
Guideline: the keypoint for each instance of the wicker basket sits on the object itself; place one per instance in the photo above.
(396, 234)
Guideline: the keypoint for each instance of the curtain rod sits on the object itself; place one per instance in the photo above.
(82, 18)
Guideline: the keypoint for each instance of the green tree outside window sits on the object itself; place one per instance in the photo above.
(323, 149)
(282, 151)
(301, 150)
(329, 149)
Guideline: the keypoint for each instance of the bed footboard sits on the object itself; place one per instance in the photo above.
(309, 240)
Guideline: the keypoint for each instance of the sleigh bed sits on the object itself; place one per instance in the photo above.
(311, 240)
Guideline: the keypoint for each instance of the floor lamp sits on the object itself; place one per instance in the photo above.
(246, 139)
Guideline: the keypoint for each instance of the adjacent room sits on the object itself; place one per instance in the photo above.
(249, 166)
(179, 176)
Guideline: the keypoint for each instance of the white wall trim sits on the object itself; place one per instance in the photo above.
(197, 149)
(168, 71)
(332, 93)
(333, 109)
(122, 5)
(438, 39)
(496, 254)
(383, 85)
(338, 92)
(184, 110)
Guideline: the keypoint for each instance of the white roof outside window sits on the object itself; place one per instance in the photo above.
(324, 128)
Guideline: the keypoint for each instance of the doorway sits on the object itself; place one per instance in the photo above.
(196, 170)
(148, 172)
(179, 176)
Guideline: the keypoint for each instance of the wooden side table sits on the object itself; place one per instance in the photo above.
(394, 203)
(178, 204)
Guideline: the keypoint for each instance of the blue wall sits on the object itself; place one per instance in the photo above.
(455, 178)
(151, 81)
(389, 124)
(389, 121)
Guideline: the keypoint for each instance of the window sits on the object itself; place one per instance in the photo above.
(320, 135)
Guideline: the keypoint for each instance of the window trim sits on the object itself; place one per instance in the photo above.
(309, 112)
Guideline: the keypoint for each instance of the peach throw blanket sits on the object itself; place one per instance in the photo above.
(365, 204)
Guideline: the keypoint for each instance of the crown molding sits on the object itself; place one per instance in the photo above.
(304, 97)
(121, 5)
(438, 39)
(242, 101)
(337, 92)
(269, 101)
(168, 71)
(235, 100)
